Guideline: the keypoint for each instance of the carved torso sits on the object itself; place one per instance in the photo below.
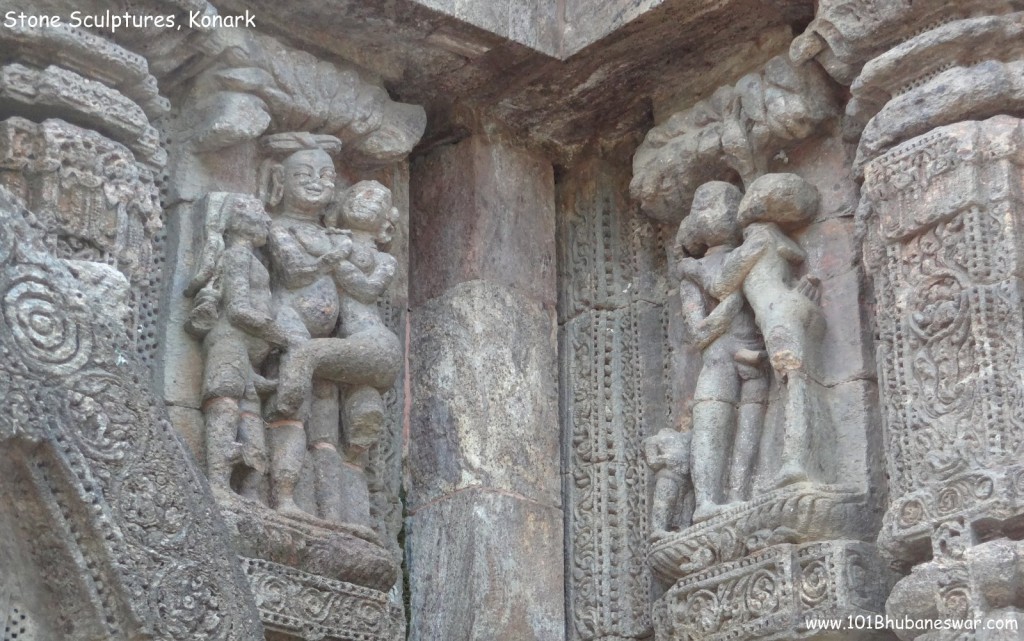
(313, 304)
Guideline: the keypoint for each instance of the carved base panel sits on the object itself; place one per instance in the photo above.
(774, 593)
(987, 502)
(348, 553)
(313, 608)
(977, 588)
(796, 513)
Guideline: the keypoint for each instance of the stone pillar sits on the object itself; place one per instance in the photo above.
(484, 533)
(940, 206)
(945, 243)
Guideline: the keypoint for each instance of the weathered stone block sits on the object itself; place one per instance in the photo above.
(488, 568)
(483, 211)
(831, 246)
(485, 409)
(847, 343)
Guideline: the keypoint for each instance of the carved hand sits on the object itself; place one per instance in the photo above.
(688, 268)
(810, 287)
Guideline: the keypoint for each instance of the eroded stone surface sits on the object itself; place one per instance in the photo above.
(486, 369)
(624, 416)
(483, 211)
(471, 583)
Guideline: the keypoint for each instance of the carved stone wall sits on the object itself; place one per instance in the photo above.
(784, 541)
(940, 205)
(251, 88)
(615, 353)
(109, 513)
(679, 320)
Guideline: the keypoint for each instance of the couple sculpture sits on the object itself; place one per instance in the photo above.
(297, 357)
(751, 321)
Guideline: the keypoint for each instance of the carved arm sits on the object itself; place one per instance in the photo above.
(787, 247)
(241, 313)
(361, 286)
(736, 266)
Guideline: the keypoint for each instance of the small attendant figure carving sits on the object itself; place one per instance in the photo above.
(668, 455)
(232, 312)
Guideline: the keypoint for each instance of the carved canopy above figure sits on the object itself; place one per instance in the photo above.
(733, 134)
(252, 84)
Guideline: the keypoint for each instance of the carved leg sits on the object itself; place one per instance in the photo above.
(363, 421)
(666, 498)
(295, 379)
(364, 417)
(712, 421)
(323, 438)
(287, 450)
(750, 425)
(796, 442)
(253, 440)
(222, 419)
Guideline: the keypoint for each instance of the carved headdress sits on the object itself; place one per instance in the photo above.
(277, 147)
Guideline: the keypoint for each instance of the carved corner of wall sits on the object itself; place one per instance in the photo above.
(935, 116)
(130, 234)
(114, 519)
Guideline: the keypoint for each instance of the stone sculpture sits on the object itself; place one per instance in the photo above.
(787, 313)
(737, 131)
(731, 394)
(327, 282)
(298, 190)
(730, 462)
(758, 315)
(233, 312)
(667, 453)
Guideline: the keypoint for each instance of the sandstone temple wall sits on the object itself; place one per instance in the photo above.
(475, 321)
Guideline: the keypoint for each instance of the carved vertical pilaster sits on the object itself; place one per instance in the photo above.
(946, 241)
(612, 334)
(117, 519)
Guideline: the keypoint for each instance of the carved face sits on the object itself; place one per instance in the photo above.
(712, 220)
(367, 207)
(308, 181)
(250, 221)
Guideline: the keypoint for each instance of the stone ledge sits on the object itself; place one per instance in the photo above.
(312, 607)
(348, 553)
(773, 593)
(794, 514)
